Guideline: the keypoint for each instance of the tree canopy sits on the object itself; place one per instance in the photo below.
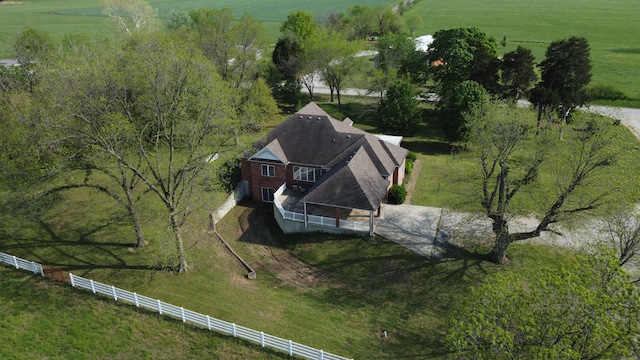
(588, 309)
(398, 110)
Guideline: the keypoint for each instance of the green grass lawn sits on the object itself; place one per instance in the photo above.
(610, 26)
(42, 319)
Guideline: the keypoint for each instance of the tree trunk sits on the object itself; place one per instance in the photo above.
(133, 213)
(339, 104)
(182, 258)
(498, 254)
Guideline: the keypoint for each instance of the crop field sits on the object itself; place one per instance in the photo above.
(611, 27)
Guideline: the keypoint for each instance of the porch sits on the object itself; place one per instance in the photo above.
(319, 217)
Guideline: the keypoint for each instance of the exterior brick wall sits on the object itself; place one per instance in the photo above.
(252, 172)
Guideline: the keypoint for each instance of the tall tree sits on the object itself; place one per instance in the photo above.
(398, 110)
(301, 25)
(511, 154)
(168, 112)
(586, 310)
(337, 62)
(414, 22)
(131, 15)
(518, 73)
(465, 98)
(394, 50)
(466, 54)
(233, 46)
(566, 70)
(32, 47)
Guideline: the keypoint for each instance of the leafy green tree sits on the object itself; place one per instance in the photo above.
(588, 309)
(512, 152)
(362, 22)
(233, 45)
(336, 62)
(393, 51)
(286, 57)
(398, 110)
(566, 71)
(301, 25)
(32, 47)
(464, 98)
(414, 22)
(167, 112)
(518, 73)
(466, 54)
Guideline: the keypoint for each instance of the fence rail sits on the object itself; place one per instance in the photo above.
(187, 316)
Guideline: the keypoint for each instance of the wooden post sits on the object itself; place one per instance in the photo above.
(337, 217)
(306, 216)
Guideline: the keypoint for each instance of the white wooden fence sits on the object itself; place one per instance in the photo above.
(316, 219)
(187, 316)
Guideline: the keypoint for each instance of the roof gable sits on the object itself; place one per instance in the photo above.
(272, 152)
(354, 183)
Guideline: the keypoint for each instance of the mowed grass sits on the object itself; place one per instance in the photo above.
(363, 288)
(42, 319)
(611, 28)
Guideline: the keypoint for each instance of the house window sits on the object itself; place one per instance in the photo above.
(267, 194)
(268, 170)
(308, 174)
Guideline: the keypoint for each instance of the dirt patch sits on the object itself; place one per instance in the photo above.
(417, 166)
(13, 3)
(266, 254)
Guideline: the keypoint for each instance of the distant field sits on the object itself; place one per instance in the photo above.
(612, 28)
(58, 17)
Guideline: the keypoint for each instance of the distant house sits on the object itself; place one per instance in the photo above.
(324, 173)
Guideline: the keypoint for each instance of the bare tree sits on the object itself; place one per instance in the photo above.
(511, 157)
(623, 230)
(132, 15)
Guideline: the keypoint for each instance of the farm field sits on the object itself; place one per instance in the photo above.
(61, 17)
(610, 26)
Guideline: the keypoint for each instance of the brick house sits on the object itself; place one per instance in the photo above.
(329, 163)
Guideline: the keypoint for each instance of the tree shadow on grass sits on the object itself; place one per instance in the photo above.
(71, 247)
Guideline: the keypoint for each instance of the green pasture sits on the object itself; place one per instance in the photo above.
(612, 28)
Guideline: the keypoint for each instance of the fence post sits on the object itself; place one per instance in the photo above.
(290, 348)
(182, 314)
(113, 291)
(159, 308)
(93, 288)
(208, 322)
(135, 299)
(33, 265)
(321, 355)
(262, 338)
(15, 262)
(233, 326)
(73, 284)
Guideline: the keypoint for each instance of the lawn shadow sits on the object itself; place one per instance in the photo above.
(632, 51)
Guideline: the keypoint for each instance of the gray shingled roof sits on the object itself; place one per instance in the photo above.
(353, 183)
(312, 137)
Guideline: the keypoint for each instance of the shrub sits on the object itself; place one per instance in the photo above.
(408, 167)
(605, 92)
(412, 156)
(397, 194)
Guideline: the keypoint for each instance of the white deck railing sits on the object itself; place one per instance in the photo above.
(316, 219)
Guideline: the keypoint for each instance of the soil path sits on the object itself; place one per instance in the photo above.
(417, 166)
